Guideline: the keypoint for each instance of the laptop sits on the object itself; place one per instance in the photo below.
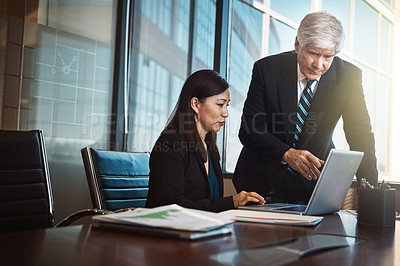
(331, 188)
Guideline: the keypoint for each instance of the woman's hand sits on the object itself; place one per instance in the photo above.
(243, 197)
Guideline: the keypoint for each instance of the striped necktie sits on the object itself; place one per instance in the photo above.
(302, 110)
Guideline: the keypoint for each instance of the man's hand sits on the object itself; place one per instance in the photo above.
(303, 162)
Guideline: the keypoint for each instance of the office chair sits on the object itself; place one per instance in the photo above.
(117, 180)
(26, 200)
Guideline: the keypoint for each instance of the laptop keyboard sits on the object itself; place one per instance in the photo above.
(299, 208)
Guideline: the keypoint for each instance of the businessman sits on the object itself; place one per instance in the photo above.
(294, 102)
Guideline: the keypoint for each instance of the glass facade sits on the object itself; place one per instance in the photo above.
(159, 71)
(281, 37)
(57, 70)
(204, 35)
(341, 10)
(385, 46)
(56, 59)
(297, 9)
(367, 45)
(246, 40)
(365, 32)
(257, 28)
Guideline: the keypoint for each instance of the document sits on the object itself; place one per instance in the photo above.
(272, 217)
(171, 220)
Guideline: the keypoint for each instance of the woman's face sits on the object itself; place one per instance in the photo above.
(212, 112)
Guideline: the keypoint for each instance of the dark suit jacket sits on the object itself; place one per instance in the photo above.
(177, 175)
(269, 116)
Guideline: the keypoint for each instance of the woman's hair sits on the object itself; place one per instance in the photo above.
(322, 30)
(201, 84)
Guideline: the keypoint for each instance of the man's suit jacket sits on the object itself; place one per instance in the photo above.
(269, 117)
(178, 175)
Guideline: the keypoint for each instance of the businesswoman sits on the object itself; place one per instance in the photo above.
(184, 162)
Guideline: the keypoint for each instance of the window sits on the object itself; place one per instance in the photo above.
(257, 28)
(365, 32)
(281, 37)
(204, 34)
(341, 10)
(58, 78)
(161, 55)
(246, 41)
(297, 9)
(367, 44)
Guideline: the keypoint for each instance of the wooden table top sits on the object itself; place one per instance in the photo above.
(85, 245)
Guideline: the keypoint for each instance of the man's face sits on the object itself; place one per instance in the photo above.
(313, 61)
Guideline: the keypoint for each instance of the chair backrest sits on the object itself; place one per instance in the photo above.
(116, 180)
(26, 199)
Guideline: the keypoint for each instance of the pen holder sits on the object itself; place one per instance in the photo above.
(376, 206)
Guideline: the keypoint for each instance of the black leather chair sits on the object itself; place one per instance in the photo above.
(117, 180)
(25, 189)
(26, 199)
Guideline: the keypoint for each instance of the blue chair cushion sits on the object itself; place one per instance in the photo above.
(122, 178)
(122, 163)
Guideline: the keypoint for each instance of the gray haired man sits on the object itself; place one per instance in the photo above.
(294, 102)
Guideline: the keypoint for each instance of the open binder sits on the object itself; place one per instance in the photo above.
(167, 221)
(272, 217)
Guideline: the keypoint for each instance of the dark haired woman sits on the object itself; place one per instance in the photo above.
(184, 162)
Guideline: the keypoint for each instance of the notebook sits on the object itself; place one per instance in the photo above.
(331, 188)
(167, 221)
(163, 232)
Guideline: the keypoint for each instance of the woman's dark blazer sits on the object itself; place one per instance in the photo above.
(177, 175)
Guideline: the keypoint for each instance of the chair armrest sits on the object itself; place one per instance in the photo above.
(80, 214)
(124, 210)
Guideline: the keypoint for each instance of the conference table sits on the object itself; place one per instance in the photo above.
(86, 245)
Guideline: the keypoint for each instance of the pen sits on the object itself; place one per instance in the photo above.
(365, 183)
(385, 185)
